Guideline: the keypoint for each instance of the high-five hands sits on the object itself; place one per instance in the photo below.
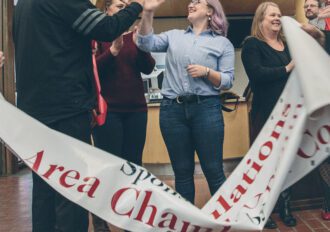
(149, 5)
(152, 5)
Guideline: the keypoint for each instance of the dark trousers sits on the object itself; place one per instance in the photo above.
(123, 134)
(51, 211)
(189, 127)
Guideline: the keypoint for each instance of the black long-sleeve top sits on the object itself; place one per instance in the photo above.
(267, 75)
(54, 56)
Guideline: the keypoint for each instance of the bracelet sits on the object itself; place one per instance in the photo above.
(207, 72)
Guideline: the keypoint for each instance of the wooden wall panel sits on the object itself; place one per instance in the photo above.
(287, 6)
(240, 7)
(173, 8)
(178, 8)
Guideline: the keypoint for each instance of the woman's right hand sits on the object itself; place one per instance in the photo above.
(289, 67)
(152, 5)
(117, 45)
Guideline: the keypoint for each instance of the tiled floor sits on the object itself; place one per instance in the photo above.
(15, 203)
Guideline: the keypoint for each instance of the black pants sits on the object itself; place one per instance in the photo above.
(123, 134)
(51, 211)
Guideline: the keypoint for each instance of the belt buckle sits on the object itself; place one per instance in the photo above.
(178, 100)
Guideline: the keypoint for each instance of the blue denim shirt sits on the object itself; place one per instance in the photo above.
(183, 47)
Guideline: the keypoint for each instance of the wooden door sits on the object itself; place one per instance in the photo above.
(8, 163)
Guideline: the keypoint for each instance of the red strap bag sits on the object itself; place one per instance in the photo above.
(100, 112)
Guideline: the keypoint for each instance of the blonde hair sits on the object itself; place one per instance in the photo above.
(256, 29)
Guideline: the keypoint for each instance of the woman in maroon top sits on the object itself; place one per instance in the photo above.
(120, 64)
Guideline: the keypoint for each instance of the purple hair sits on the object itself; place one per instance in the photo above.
(218, 21)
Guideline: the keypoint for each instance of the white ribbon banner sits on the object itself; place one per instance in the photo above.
(293, 142)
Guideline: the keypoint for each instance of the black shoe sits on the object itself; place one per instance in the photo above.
(270, 224)
(287, 218)
(285, 209)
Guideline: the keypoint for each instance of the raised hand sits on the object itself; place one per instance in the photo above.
(324, 12)
(152, 5)
(117, 45)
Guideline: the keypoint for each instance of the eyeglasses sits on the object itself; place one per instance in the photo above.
(311, 6)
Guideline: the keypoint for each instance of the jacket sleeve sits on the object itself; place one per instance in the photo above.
(252, 62)
(88, 21)
(145, 62)
(103, 55)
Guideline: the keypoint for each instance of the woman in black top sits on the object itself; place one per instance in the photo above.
(267, 62)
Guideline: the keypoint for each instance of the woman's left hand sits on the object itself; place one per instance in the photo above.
(196, 71)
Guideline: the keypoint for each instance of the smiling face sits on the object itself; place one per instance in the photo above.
(311, 8)
(198, 11)
(271, 21)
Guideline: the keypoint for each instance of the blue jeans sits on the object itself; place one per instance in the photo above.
(189, 127)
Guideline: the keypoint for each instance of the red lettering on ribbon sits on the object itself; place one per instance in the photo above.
(116, 197)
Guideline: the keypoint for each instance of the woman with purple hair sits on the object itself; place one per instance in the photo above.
(199, 64)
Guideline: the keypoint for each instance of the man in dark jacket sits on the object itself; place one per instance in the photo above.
(55, 83)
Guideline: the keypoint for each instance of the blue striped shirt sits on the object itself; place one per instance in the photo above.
(182, 48)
